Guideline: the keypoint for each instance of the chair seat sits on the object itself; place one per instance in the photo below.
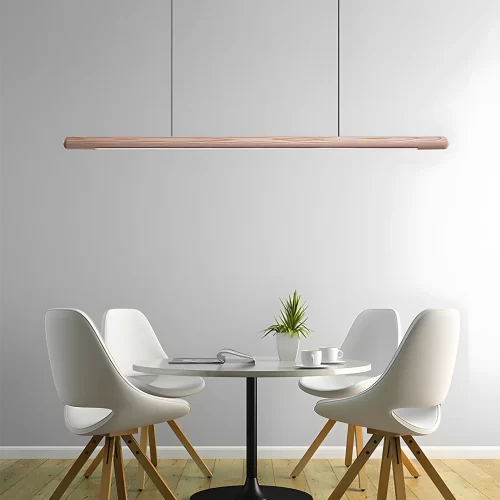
(169, 386)
(419, 420)
(92, 421)
(336, 387)
(85, 420)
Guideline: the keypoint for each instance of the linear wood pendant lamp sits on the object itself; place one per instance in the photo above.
(333, 142)
(289, 142)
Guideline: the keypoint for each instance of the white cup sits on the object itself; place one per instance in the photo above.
(310, 358)
(331, 354)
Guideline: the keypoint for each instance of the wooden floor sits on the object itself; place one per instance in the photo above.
(467, 479)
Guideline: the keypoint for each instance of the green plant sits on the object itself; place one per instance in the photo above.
(292, 319)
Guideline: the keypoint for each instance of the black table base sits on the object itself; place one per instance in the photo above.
(266, 492)
(251, 490)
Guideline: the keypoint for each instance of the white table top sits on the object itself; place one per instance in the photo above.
(261, 368)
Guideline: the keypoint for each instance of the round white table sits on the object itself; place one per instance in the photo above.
(251, 490)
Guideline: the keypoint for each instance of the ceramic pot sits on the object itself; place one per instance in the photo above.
(288, 347)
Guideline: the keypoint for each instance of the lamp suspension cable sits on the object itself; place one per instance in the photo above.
(171, 68)
(338, 68)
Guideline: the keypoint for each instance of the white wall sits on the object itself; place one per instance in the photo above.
(254, 67)
(204, 242)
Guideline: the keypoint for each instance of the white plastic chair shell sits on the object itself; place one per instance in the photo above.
(406, 399)
(374, 337)
(130, 337)
(99, 398)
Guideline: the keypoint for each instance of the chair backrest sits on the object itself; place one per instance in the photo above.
(130, 338)
(373, 337)
(83, 370)
(420, 373)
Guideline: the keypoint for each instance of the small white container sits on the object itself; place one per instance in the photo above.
(310, 358)
(288, 347)
(331, 354)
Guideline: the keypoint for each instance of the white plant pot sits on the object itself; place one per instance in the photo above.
(288, 347)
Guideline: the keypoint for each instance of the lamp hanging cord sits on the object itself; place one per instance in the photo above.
(172, 68)
(338, 67)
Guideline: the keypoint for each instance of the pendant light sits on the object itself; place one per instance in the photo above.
(288, 142)
(332, 142)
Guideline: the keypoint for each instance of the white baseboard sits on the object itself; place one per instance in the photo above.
(289, 452)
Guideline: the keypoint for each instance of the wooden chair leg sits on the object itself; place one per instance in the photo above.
(95, 463)
(312, 449)
(359, 446)
(141, 473)
(121, 485)
(76, 467)
(107, 468)
(349, 446)
(354, 469)
(385, 470)
(153, 450)
(409, 466)
(190, 449)
(429, 468)
(397, 469)
(150, 469)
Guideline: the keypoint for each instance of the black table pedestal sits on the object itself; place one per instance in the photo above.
(251, 490)
(238, 492)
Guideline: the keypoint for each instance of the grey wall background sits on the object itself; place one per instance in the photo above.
(204, 242)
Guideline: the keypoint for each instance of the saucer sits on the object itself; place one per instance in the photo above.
(338, 362)
(310, 367)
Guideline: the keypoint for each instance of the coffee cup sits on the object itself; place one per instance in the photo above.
(331, 354)
(310, 358)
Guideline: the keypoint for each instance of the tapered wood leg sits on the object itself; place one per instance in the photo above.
(95, 463)
(354, 469)
(107, 468)
(121, 485)
(397, 469)
(312, 449)
(149, 468)
(153, 450)
(141, 473)
(358, 431)
(349, 446)
(190, 449)
(385, 470)
(76, 467)
(429, 468)
(409, 466)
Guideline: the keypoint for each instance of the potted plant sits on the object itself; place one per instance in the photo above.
(290, 326)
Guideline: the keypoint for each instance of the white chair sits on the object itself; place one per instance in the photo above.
(100, 401)
(130, 338)
(404, 402)
(373, 337)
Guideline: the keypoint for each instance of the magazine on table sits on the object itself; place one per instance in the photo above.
(218, 360)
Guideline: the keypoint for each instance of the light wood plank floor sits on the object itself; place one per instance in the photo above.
(37, 479)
